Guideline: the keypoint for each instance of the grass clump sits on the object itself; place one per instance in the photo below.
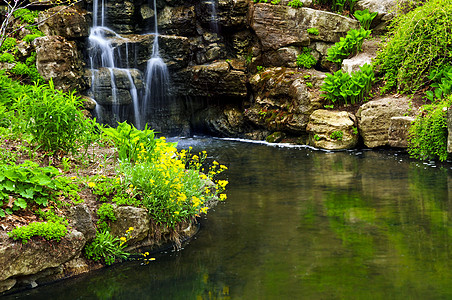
(416, 43)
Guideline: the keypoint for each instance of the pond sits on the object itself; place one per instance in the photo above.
(300, 223)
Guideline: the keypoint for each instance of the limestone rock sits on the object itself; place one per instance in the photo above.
(129, 216)
(121, 15)
(82, 221)
(7, 284)
(64, 21)
(17, 259)
(228, 121)
(332, 130)
(59, 60)
(399, 131)
(177, 20)
(374, 119)
(369, 53)
(280, 26)
(384, 8)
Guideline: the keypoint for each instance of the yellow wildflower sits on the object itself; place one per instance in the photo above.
(91, 184)
(223, 197)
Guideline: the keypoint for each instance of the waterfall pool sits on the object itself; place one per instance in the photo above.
(299, 223)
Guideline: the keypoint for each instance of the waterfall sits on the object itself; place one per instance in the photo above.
(213, 17)
(104, 55)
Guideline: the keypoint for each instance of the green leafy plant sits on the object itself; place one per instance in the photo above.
(106, 247)
(313, 31)
(295, 3)
(417, 42)
(347, 46)
(26, 183)
(365, 17)
(441, 79)
(7, 57)
(26, 15)
(49, 230)
(306, 60)
(343, 88)
(106, 213)
(317, 137)
(339, 5)
(428, 133)
(25, 71)
(309, 84)
(275, 2)
(337, 135)
(259, 68)
(8, 44)
(31, 37)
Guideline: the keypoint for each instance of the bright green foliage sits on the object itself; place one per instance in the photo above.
(260, 1)
(365, 17)
(129, 140)
(31, 60)
(23, 70)
(417, 43)
(313, 31)
(306, 60)
(8, 44)
(295, 3)
(441, 79)
(106, 247)
(347, 46)
(428, 133)
(343, 88)
(275, 2)
(26, 15)
(31, 37)
(26, 184)
(106, 213)
(55, 121)
(339, 5)
(337, 135)
(48, 230)
(7, 57)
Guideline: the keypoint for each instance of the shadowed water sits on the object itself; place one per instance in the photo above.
(300, 224)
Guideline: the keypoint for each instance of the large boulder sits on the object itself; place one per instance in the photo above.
(64, 21)
(280, 26)
(374, 119)
(127, 217)
(284, 99)
(38, 254)
(332, 130)
(385, 9)
(58, 59)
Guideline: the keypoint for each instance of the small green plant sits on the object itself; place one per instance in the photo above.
(441, 79)
(7, 57)
(337, 135)
(309, 85)
(347, 46)
(365, 17)
(317, 137)
(26, 15)
(8, 44)
(355, 130)
(31, 37)
(331, 106)
(106, 247)
(305, 59)
(106, 213)
(24, 71)
(313, 31)
(344, 88)
(49, 230)
(295, 3)
(259, 68)
(307, 76)
(428, 133)
(275, 2)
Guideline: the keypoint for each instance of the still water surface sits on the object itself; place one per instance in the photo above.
(300, 224)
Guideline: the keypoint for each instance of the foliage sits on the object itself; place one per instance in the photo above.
(342, 87)
(313, 31)
(365, 17)
(295, 3)
(106, 213)
(26, 15)
(347, 46)
(416, 43)
(55, 121)
(339, 5)
(24, 184)
(337, 135)
(306, 60)
(106, 247)
(259, 68)
(428, 133)
(21, 70)
(7, 57)
(275, 2)
(441, 79)
(31, 37)
(49, 230)
(127, 139)
(8, 44)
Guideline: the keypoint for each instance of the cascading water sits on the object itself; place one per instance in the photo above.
(213, 17)
(105, 58)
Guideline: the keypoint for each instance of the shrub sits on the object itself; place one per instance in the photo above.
(347, 46)
(428, 133)
(417, 43)
(306, 60)
(55, 121)
(48, 230)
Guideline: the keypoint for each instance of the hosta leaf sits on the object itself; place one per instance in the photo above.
(20, 202)
(27, 193)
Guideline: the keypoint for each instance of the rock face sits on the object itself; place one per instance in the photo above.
(58, 59)
(17, 259)
(374, 119)
(64, 21)
(399, 131)
(332, 130)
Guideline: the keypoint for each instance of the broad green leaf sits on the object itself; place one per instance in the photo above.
(20, 202)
